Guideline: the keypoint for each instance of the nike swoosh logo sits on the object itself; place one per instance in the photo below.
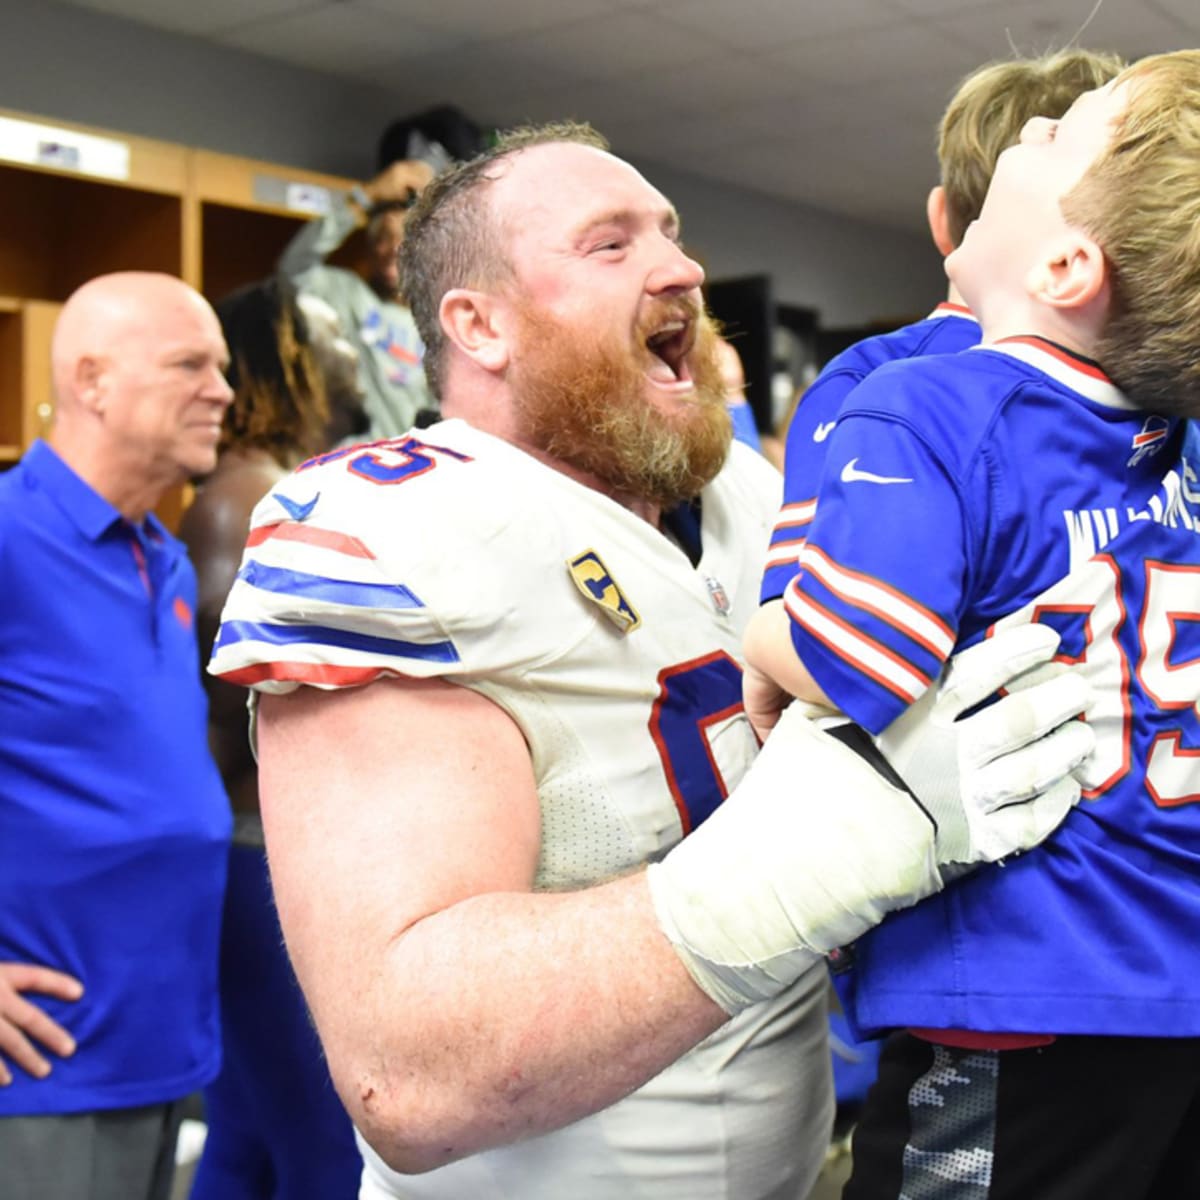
(823, 431)
(296, 510)
(851, 474)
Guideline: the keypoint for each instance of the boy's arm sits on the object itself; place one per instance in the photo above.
(774, 672)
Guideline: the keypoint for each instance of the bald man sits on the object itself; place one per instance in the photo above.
(113, 822)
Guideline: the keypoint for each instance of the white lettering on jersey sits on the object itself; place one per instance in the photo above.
(1089, 530)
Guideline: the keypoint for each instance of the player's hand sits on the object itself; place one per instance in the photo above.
(23, 1023)
(1000, 780)
(818, 842)
(399, 181)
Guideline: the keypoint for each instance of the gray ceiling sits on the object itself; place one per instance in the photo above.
(828, 102)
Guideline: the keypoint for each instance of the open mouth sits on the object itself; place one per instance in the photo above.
(669, 346)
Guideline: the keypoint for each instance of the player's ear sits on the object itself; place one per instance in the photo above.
(469, 319)
(939, 221)
(1073, 273)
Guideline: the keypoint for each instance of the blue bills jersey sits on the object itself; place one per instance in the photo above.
(1006, 485)
(456, 555)
(947, 330)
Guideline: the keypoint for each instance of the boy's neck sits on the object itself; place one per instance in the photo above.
(1076, 330)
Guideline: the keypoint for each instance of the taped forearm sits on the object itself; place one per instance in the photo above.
(813, 848)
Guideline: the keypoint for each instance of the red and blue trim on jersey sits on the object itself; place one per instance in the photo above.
(949, 329)
(976, 478)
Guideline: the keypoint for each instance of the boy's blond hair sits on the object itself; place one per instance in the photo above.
(990, 109)
(1140, 201)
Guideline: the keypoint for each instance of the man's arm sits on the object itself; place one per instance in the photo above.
(458, 1010)
(214, 531)
(320, 237)
(774, 673)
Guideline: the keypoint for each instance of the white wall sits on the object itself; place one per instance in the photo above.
(852, 273)
(73, 64)
(78, 65)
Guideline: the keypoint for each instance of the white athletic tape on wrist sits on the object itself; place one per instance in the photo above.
(810, 850)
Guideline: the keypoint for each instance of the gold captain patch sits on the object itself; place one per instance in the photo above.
(595, 582)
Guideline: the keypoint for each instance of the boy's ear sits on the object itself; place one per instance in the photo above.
(939, 221)
(1072, 275)
(473, 322)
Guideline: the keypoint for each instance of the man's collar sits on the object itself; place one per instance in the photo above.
(90, 512)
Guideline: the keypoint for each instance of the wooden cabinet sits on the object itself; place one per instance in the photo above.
(26, 395)
(247, 211)
(76, 202)
(73, 203)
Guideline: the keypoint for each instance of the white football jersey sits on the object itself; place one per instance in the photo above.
(454, 554)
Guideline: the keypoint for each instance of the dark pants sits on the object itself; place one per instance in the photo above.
(118, 1154)
(276, 1128)
(1085, 1118)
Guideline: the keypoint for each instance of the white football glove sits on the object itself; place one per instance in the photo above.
(816, 845)
(973, 775)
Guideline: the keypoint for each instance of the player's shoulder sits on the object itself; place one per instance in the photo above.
(931, 334)
(424, 554)
(429, 484)
(906, 386)
(858, 360)
(948, 330)
(951, 402)
(444, 511)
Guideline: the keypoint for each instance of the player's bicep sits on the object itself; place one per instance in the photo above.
(383, 805)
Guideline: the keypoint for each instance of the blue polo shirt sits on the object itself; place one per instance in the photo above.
(114, 824)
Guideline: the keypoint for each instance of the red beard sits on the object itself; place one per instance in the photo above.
(584, 401)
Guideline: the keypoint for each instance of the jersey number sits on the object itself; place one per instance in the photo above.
(395, 461)
(694, 700)
(1171, 682)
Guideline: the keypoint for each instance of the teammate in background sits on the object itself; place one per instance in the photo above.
(114, 828)
(498, 674)
(371, 310)
(986, 115)
(733, 376)
(276, 1129)
(337, 361)
(1037, 478)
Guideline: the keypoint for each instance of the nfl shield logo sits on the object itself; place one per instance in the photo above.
(718, 595)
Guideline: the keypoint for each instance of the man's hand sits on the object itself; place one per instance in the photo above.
(974, 775)
(21, 1021)
(400, 181)
(816, 845)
